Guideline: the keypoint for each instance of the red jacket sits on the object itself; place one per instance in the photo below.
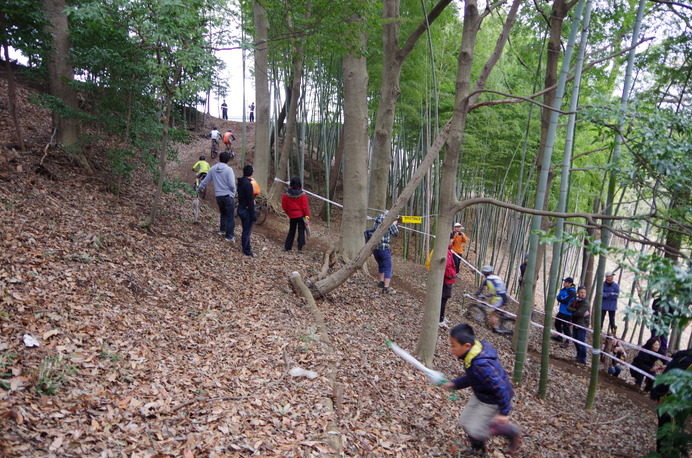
(295, 203)
(450, 269)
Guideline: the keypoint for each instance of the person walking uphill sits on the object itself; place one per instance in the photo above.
(447, 283)
(563, 319)
(295, 204)
(383, 254)
(487, 412)
(224, 189)
(246, 208)
(611, 291)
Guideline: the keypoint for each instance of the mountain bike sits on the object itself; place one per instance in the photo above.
(261, 209)
(203, 193)
(214, 148)
(481, 313)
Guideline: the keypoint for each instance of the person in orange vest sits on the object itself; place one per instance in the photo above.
(227, 138)
(457, 239)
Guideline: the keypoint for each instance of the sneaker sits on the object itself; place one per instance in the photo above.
(443, 324)
(564, 344)
(380, 284)
(221, 233)
(231, 239)
(388, 291)
(515, 443)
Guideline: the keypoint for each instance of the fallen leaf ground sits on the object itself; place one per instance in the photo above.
(171, 342)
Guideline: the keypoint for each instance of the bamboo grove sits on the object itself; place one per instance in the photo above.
(561, 130)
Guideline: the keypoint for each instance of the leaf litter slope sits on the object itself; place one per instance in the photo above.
(173, 342)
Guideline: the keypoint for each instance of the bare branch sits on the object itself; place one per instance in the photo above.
(422, 27)
(516, 98)
(664, 2)
(490, 8)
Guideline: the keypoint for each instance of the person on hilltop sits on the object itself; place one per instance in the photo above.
(246, 208)
(447, 283)
(487, 412)
(611, 291)
(224, 110)
(579, 308)
(383, 254)
(295, 203)
(224, 189)
(252, 112)
(457, 239)
(563, 319)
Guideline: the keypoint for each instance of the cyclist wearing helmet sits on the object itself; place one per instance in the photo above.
(497, 292)
(201, 167)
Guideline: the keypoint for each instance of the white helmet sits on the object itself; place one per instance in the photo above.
(487, 270)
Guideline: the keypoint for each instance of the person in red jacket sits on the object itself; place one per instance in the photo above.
(450, 278)
(295, 204)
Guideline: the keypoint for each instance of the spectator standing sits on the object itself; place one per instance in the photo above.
(447, 283)
(224, 190)
(563, 319)
(252, 112)
(246, 208)
(611, 291)
(487, 412)
(295, 204)
(660, 308)
(383, 254)
(579, 308)
(522, 269)
(457, 239)
(646, 361)
(224, 110)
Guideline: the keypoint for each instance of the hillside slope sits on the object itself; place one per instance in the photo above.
(171, 342)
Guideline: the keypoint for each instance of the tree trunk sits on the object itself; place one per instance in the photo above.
(393, 60)
(355, 75)
(448, 185)
(163, 153)
(60, 75)
(276, 188)
(262, 154)
(11, 90)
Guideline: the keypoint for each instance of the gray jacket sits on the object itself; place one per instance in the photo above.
(224, 180)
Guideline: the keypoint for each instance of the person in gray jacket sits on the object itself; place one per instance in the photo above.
(224, 190)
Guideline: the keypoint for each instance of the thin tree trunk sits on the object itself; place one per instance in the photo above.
(355, 74)
(262, 159)
(11, 90)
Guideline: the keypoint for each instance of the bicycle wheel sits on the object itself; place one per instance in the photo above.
(505, 324)
(476, 312)
(261, 214)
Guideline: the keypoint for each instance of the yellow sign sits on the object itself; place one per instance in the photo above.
(412, 219)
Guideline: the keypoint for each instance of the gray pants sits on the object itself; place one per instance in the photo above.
(476, 417)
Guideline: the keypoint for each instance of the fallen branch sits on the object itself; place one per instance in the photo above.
(205, 399)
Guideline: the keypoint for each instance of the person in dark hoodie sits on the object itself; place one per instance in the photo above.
(224, 189)
(563, 319)
(487, 412)
(246, 208)
(579, 309)
(295, 204)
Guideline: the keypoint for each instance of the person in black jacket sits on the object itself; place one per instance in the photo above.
(246, 208)
(579, 309)
(680, 360)
(645, 361)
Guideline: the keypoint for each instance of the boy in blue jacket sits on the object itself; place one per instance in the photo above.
(487, 412)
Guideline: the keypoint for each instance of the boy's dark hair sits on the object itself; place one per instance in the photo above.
(295, 182)
(248, 170)
(463, 333)
(581, 287)
(650, 343)
(225, 157)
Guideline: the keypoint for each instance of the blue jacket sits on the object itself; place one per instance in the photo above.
(486, 377)
(610, 296)
(565, 297)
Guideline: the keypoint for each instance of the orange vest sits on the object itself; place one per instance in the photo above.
(255, 187)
